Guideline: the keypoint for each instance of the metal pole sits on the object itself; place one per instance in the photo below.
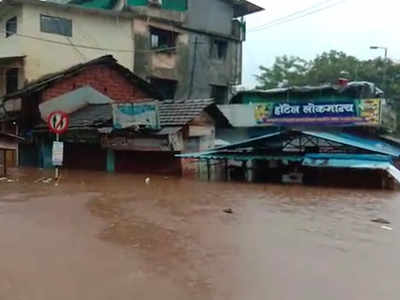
(226, 170)
(57, 171)
(385, 70)
(5, 163)
(192, 73)
(208, 170)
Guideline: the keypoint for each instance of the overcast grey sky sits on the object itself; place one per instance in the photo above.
(352, 27)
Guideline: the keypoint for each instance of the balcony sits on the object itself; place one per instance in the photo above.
(159, 14)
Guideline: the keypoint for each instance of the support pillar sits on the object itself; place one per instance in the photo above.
(5, 163)
(250, 170)
(208, 170)
(226, 170)
(110, 161)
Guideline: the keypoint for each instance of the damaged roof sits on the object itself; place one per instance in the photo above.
(108, 60)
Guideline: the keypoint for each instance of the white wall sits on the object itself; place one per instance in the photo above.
(9, 47)
(100, 31)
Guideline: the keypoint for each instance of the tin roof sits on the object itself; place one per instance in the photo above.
(274, 141)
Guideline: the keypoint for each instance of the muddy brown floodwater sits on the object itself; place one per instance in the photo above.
(101, 236)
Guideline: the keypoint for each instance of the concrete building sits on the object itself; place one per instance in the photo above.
(187, 48)
(40, 37)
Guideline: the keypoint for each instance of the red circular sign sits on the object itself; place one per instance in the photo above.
(58, 122)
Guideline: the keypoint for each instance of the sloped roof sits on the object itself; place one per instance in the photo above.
(243, 8)
(73, 101)
(108, 60)
(172, 114)
(275, 140)
(95, 115)
(179, 113)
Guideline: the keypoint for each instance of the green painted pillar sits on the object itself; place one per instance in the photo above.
(110, 160)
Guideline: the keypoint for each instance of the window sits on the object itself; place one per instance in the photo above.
(55, 25)
(11, 26)
(219, 93)
(166, 87)
(162, 39)
(219, 49)
(12, 80)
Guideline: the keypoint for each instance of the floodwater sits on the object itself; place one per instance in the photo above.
(101, 236)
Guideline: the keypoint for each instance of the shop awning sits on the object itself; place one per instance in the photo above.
(371, 162)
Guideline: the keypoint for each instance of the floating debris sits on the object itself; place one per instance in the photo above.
(228, 210)
(386, 227)
(39, 180)
(381, 221)
(147, 180)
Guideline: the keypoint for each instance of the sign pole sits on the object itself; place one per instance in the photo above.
(57, 171)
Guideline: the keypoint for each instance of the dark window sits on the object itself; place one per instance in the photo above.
(219, 93)
(162, 39)
(165, 86)
(218, 49)
(11, 80)
(11, 26)
(55, 25)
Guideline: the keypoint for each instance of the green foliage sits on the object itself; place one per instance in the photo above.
(327, 68)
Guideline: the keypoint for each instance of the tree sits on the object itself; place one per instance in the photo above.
(286, 71)
(327, 68)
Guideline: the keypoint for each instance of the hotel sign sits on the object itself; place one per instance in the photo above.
(365, 112)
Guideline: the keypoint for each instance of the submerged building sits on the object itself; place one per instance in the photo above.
(316, 135)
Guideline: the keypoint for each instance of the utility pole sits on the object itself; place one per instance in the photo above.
(192, 73)
(386, 64)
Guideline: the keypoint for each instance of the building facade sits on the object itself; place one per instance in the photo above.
(39, 38)
(187, 48)
(195, 47)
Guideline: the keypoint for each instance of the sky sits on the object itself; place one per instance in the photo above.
(352, 27)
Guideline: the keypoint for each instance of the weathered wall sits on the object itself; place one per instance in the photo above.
(207, 71)
(166, 65)
(10, 47)
(102, 78)
(210, 15)
(190, 65)
(43, 57)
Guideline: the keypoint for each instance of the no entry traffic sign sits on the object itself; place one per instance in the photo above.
(58, 122)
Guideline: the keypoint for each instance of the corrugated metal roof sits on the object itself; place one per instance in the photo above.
(364, 143)
(73, 101)
(354, 163)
